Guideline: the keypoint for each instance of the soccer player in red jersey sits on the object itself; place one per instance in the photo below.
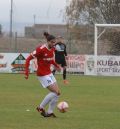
(45, 58)
(60, 55)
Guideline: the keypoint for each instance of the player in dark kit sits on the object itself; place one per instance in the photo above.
(61, 56)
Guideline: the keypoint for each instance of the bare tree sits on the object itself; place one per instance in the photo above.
(94, 11)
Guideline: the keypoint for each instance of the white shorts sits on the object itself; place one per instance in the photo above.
(47, 80)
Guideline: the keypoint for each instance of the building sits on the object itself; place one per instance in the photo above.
(37, 30)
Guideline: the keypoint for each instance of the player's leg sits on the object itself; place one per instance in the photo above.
(64, 72)
(49, 82)
(52, 99)
(47, 99)
(44, 102)
(52, 105)
(53, 88)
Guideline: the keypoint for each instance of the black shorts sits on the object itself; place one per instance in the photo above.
(62, 62)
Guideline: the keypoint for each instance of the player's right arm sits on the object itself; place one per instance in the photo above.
(27, 63)
(33, 55)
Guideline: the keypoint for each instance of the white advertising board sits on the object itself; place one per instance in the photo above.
(106, 65)
(13, 62)
(80, 64)
(76, 63)
(90, 65)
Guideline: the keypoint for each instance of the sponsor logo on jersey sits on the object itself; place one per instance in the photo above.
(48, 59)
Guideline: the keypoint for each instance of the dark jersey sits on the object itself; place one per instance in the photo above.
(60, 53)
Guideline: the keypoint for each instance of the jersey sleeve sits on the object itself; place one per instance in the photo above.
(27, 63)
(55, 64)
(34, 54)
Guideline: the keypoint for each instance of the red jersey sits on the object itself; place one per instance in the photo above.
(45, 57)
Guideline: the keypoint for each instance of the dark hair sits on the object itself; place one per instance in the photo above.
(50, 37)
(46, 34)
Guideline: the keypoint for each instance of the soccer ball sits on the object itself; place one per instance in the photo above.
(63, 106)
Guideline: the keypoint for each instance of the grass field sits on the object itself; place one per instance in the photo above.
(94, 103)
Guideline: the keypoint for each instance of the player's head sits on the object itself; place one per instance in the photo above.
(46, 34)
(51, 41)
(60, 39)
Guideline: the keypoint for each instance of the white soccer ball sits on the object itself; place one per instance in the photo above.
(63, 106)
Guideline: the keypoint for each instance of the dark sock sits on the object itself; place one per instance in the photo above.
(64, 74)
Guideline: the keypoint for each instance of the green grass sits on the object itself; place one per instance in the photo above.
(94, 103)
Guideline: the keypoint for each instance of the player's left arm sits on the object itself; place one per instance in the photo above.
(57, 67)
(65, 52)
